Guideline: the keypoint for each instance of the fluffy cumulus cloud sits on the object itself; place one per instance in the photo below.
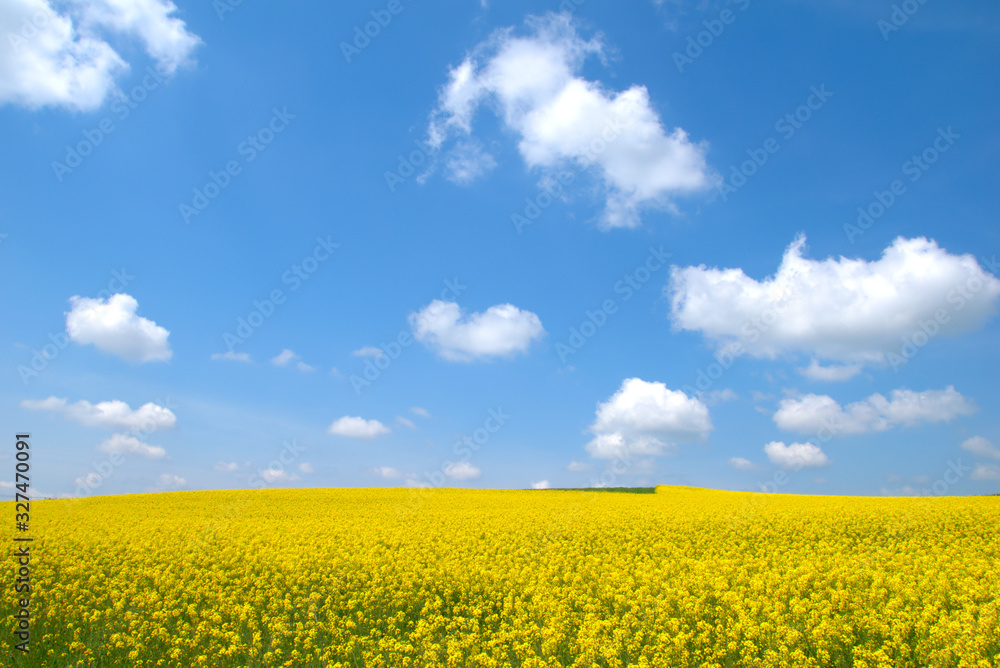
(644, 419)
(844, 310)
(795, 456)
(356, 427)
(227, 467)
(61, 53)
(108, 414)
(461, 471)
(561, 119)
(387, 472)
(986, 472)
(113, 326)
(813, 412)
(170, 481)
(500, 331)
(541, 484)
(122, 444)
(980, 447)
(742, 464)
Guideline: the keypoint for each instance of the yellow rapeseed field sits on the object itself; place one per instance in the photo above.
(396, 577)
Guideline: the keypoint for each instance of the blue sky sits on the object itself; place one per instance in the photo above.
(723, 244)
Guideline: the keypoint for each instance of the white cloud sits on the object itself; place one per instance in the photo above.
(226, 467)
(461, 471)
(368, 351)
(307, 468)
(405, 422)
(356, 427)
(62, 55)
(743, 464)
(832, 373)
(232, 356)
(387, 472)
(578, 467)
(422, 412)
(501, 330)
(275, 474)
(718, 396)
(171, 481)
(644, 418)
(990, 472)
(123, 444)
(876, 413)
(113, 326)
(845, 310)
(10, 488)
(109, 414)
(541, 484)
(562, 119)
(795, 456)
(286, 357)
(980, 447)
(467, 162)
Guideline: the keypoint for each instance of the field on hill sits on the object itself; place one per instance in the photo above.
(397, 577)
